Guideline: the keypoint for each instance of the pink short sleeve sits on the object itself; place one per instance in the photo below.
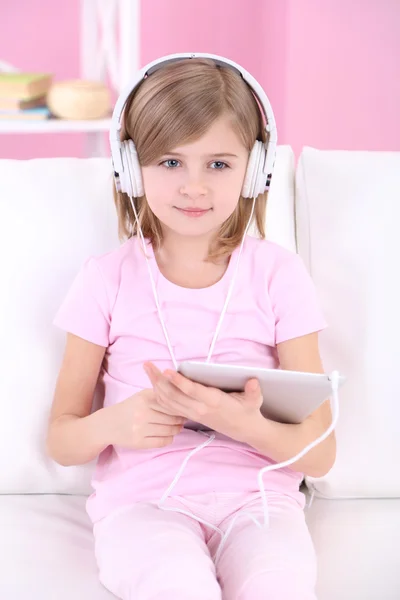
(85, 310)
(294, 300)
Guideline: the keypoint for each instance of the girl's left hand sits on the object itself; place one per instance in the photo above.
(232, 414)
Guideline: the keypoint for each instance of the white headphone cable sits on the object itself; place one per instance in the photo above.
(334, 378)
(230, 290)
(227, 299)
(153, 285)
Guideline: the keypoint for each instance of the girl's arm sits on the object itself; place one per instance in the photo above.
(281, 441)
(74, 435)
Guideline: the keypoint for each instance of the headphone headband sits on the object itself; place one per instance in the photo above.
(270, 127)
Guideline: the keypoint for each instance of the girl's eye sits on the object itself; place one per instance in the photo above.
(219, 165)
(170, 163)
(173, 163)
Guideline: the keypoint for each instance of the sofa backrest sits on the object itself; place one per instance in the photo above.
(347, 217)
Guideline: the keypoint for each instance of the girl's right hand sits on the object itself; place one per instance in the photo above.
(140, 423)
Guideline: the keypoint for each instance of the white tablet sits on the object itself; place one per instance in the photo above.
(288, 396)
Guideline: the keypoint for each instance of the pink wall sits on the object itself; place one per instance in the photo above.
(34, 36)
(205, 26)
(342, 74)
(330, 68)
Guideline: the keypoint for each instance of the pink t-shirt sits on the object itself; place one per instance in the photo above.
(111, 303)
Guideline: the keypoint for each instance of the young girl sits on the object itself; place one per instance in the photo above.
(158, 531)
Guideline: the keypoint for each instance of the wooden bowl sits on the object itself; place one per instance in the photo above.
(79, 99)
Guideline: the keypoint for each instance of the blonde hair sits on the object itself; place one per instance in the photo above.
(175, 106)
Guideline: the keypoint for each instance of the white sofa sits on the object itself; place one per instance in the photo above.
(56, 212)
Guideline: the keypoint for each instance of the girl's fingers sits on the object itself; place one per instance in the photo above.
(190, 388)
(208, 396)
(181, 395)
(174, 386)
(169, 418)
(252, 391)
(181, 404)
(161, 430)
(157, 442)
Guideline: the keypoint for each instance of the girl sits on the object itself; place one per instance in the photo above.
(158, 531)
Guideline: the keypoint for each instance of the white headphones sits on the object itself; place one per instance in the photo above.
(127, 171)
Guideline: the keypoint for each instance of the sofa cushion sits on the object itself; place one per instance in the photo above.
(53, 213)
(347, 218)
(280, 224)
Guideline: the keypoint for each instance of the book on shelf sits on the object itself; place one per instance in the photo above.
(18, 104)
(30, 114)
(24, 86)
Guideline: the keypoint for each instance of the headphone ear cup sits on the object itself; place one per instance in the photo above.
(131, 182)
(260, 184)
(125, 185)
(251, 184)
(137, 180)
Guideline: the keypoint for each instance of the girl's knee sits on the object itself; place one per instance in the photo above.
(161, 584)
(126, 590)
(179, 594)
(277, 585)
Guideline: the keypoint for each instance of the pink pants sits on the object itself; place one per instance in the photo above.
(146, 553)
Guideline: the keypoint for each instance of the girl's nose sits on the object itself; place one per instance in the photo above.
(193, 189)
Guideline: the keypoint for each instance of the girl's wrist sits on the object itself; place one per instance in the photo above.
(254, 430)
(262, 435)
(99, 428)
(75, 440)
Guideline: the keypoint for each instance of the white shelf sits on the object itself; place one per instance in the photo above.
(54, 126)
(109, 52)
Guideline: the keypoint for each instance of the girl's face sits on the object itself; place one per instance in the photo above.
(194, 188)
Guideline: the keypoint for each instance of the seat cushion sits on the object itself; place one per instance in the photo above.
(357, 545)
(46, 549)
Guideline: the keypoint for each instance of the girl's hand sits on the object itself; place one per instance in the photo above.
(232, 414)
(140, 422)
